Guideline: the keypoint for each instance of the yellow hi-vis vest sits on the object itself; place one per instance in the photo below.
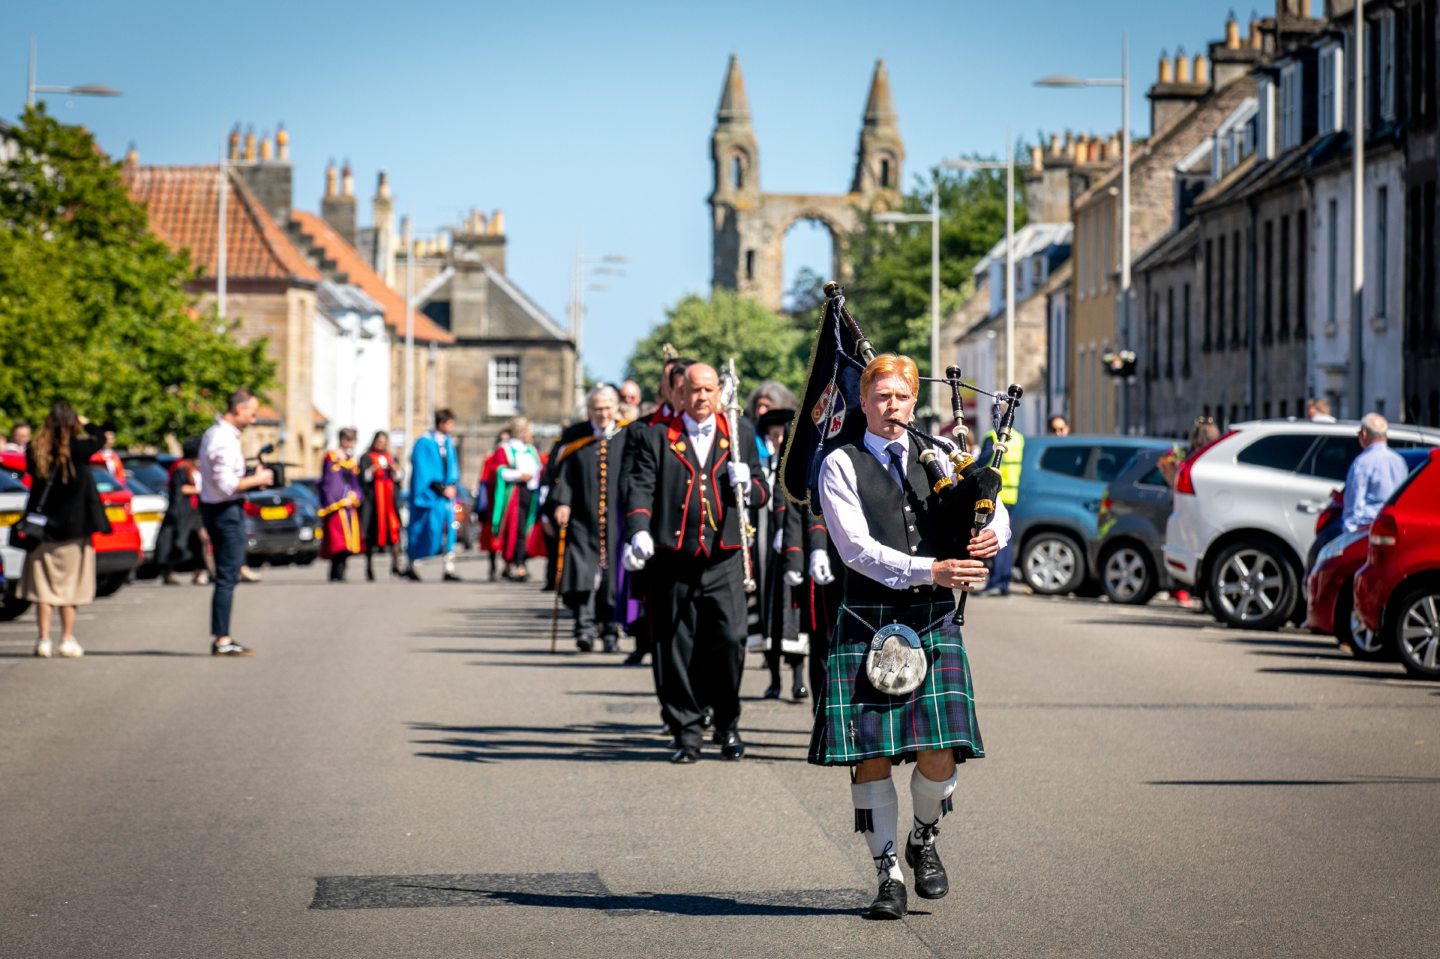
(1009, 466)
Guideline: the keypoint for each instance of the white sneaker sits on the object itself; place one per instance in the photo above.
(71, 649)
(44, 648)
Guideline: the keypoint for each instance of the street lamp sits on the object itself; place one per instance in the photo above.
(933, 218)
(1123, 82)
(83, 90)
(584, 266)
(1009, 167)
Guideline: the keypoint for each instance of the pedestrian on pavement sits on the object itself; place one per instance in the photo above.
(586, 505)
(1317, 410)
(516, 506)
(1373, 476)
(223, 482)
(887, 526)
(675, 516)
(59, 573)
(1059, 426)
(109, 457)
(485, 501)
(340, 496)
(434, 477)
(19, 437)
(1004, 568)
(380, 476)
(178, 543)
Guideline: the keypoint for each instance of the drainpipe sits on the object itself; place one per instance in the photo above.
(1252, 301)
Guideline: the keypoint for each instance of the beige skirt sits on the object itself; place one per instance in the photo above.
(61, 574)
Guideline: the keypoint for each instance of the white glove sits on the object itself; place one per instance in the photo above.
(820, 567)
(793, 577)
(642, 545)
(738, 473)
(778, 543)
(632, 562)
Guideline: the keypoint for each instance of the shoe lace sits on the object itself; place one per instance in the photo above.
(886, 861)
(928, 831)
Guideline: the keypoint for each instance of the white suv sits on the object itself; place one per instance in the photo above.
(1245, 508)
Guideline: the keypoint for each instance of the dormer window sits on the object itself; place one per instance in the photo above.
(1265, 120)
(1291, 91)
(1332, 89)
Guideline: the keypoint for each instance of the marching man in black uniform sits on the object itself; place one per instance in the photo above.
(682, 519)
(585, 499)
(912, 700)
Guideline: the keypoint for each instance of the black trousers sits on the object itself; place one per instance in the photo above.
(594, 612)
(697, 612)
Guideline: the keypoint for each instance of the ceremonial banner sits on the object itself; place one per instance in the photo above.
(829, 413)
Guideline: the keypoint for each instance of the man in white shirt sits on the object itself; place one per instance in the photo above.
(888, 528)
(222, 508)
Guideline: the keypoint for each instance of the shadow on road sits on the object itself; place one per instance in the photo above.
(1372, 674)
(576, 742)
(1340, 781)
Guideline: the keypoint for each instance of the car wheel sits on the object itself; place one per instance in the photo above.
(1415, 631)
(1351, 633)
(1251, 586)
(281, 560)
(1052, 564)
(1127, 574)
(305, 559)
(109, 585)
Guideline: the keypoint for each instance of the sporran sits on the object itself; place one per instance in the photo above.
(896, 663)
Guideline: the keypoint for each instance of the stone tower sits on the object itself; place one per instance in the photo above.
(750, 225)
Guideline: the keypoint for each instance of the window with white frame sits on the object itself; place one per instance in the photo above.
(504, 385)
(1332, 81)
(1265, 119)
(1290, 100)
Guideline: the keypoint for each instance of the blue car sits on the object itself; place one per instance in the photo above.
(1055, 520)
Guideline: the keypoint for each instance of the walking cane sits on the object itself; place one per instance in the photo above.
(559, 571)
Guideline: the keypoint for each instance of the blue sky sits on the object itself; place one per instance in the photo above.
(587, 122)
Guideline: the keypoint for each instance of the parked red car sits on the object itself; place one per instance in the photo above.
(1330, 604)
(118, 552)
(1397, 591)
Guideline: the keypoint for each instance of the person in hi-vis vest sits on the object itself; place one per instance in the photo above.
(999, 584)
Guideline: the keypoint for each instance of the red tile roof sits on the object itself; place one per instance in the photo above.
(183, 203)
(349, 261)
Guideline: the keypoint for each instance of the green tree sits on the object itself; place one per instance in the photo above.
(890, 292)
(94, 308)
(765, 346)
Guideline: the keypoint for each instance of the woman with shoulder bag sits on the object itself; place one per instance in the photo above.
(60, 569)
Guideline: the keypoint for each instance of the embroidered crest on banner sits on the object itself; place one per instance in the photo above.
(829, 412)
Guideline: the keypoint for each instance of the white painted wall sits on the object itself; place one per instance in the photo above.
(352, 373)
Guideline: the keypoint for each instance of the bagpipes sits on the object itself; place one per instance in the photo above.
(832, 398)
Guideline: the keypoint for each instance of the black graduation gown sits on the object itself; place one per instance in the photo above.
(577, 485)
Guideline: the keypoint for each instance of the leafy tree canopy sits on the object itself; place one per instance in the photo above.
(713, 330)
(890, 292)
(93, 307)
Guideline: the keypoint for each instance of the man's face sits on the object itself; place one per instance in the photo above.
(700, 391)
(20, 436)
(602, 412)
(888, 406)
(630, 393)
(1365, 437)
(445, 426)
(245, 414)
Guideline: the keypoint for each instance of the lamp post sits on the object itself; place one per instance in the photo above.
(1009, 167)
(583, 267)
(1357, 215)
(933, 218)
(1123, 82)
(82, 90)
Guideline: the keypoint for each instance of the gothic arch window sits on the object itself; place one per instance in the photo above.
(749, 264)
(886, 173)
(737, 170)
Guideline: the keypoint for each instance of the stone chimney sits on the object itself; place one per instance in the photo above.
(382, 207)
(338, 207)
(1047, 182)
(268, 174)
(1175, 91)
(482, 239)
(1234, 57)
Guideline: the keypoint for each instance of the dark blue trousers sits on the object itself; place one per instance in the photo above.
(225, 522)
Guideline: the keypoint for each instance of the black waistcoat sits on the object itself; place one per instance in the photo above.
(905, 520)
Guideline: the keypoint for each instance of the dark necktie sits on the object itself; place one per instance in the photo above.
(897, 464)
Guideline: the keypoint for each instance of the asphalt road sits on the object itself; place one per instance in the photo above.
(406, 771)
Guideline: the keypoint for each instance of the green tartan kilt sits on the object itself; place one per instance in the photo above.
(854, 721)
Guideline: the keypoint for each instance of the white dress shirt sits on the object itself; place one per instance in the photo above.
(845, 519)
(222, 463)
(522, 454)
(702, 435)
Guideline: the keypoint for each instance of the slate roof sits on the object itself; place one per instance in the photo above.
(348, 261)
(183, 205)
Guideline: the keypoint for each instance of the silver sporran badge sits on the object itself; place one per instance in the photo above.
(896, 663)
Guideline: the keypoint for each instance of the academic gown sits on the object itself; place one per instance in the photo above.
(432, 515)
(340, 496)
(578, 485)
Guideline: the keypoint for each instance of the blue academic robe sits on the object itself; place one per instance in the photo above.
(432, 532)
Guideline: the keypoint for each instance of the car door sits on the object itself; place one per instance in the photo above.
(1323, 470)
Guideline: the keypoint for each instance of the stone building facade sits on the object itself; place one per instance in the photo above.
(1418, 102)
(749, 225)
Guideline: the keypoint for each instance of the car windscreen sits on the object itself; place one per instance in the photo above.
(105, 481)
(9, 484)
(149, 472)
(1067, 460)
(1110, 461)
(1405, 484)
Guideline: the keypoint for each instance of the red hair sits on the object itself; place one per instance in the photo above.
(891, 364)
